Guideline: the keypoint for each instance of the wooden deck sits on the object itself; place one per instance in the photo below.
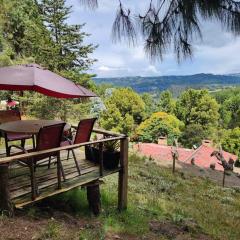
(19, 178)
(15, 183)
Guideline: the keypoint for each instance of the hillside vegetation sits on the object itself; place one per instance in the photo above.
(174, 83)
(161, 206)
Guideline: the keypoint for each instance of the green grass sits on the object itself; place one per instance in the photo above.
(51, 231)
(155, 194)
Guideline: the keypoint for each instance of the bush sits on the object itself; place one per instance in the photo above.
(159, 124)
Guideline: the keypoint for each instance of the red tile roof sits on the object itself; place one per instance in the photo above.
(202, 155)
(162, 152)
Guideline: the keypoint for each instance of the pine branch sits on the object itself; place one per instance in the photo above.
(123, 28)
(168, 23)
(91, 4)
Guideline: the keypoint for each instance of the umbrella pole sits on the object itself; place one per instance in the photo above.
(22, 110)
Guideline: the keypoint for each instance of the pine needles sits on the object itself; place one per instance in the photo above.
(123, 28)
(92, 4)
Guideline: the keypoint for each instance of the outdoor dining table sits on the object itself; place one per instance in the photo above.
(29, 126)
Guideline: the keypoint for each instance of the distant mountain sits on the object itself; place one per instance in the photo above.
(174, 83)
(234, 74)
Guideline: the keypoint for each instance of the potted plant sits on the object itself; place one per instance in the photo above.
(92, 152)
(111, 154)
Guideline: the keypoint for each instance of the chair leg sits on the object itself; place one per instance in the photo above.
(7, 148)
(75, 160)
(33, 180)
(7, 151)
(49, 162)
(62, 171)
(33, 141)
(68, 154)
(61, 167)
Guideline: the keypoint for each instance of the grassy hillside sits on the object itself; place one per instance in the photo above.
(161, 206)
(174, 83)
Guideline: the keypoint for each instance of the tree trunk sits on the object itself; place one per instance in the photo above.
(6, 206)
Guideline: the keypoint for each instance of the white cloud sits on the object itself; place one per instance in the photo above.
(104, 69)
(223, 59)
(152, 70)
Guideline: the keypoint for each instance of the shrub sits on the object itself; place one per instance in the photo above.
(159, 124)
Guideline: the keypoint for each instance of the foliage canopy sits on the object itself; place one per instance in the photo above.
(159, 124)
(197, 107)
(124, 109)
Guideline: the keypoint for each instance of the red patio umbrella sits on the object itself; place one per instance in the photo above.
(33, 77)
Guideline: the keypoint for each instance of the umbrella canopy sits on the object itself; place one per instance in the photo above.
(33, 77)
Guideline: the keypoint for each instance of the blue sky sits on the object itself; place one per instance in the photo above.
(218, 53)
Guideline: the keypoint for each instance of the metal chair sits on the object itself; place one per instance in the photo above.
(9, 116)
(48, 137)
(83, 134)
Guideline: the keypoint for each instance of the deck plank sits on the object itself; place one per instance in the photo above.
(66, 186)
(42, 185)
(44, 174)
(19, 180)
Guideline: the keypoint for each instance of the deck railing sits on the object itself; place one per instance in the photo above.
(5, 199)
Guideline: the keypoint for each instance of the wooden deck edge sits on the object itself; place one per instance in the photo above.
(64, 189)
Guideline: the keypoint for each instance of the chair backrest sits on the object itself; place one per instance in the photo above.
(9, 116)
(84, 130)
(49, 137)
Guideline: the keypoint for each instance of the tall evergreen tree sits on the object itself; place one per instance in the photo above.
(24, 33)
(70, 52)
(166, 102)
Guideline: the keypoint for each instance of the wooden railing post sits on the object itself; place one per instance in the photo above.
(123, 175)
(101, 159)
(6, 206)
(59, 171)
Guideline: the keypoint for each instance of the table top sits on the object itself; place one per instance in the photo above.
(29, 126)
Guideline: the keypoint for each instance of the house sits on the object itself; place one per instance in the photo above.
(200, 157)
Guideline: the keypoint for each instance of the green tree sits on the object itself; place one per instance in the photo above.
(193, 134)
(150, 104)
(25, 33)
(37, 31)
(230, 112)
(127, 101)
(223, 95)
(230, 142)
(70, 52)
(197, 107)
(70, 55)
(159, 124)
(44, 107)
(166, 102)
(111, 119)
(124, 109)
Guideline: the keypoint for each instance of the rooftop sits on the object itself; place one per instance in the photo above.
(202, 155)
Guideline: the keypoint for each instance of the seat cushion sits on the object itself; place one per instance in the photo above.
(17, 136)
